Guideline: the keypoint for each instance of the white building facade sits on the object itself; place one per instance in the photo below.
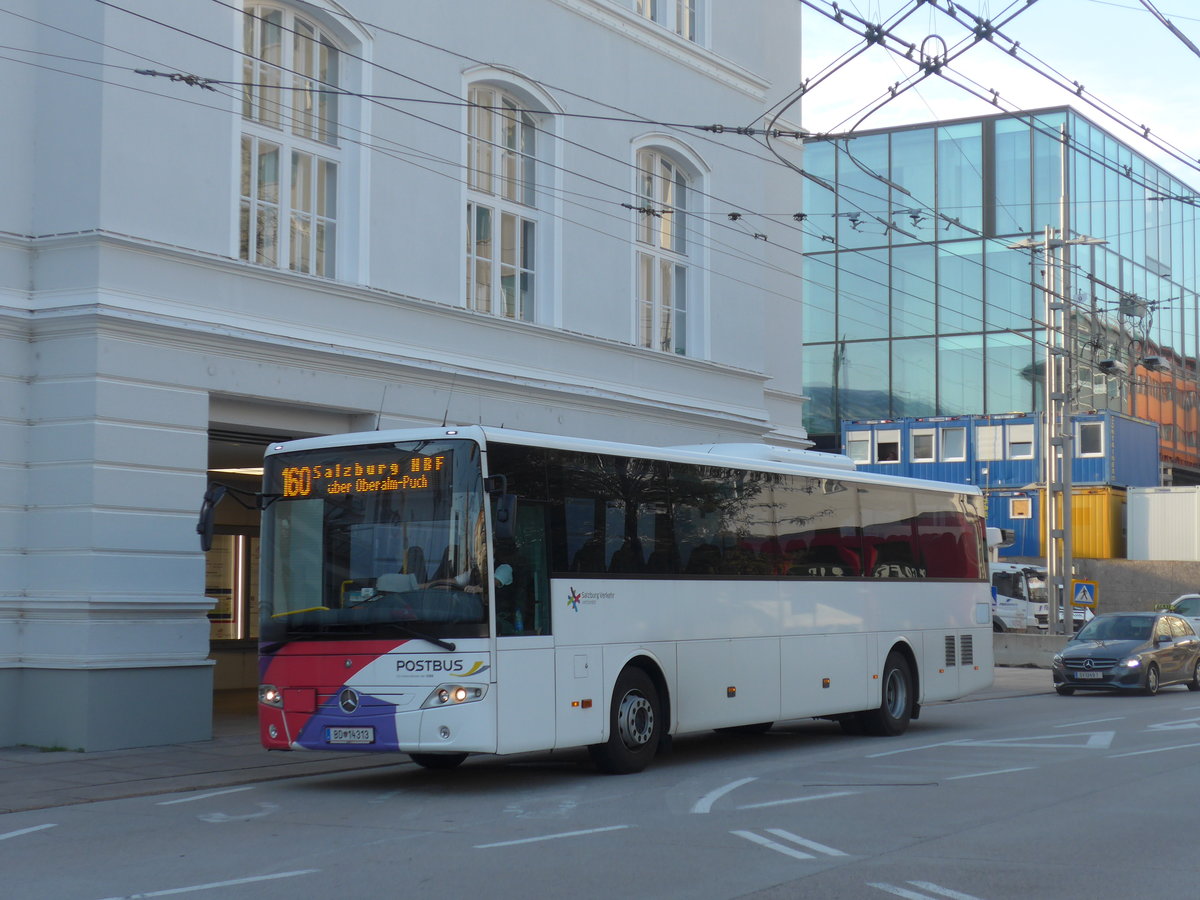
(495, 213)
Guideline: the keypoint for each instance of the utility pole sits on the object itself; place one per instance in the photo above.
(1056, 430)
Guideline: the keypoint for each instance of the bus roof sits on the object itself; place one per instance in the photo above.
(750, 456)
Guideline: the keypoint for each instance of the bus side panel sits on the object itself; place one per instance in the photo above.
(727, 682)
(580, 703)
(525, 695)
(824, 674)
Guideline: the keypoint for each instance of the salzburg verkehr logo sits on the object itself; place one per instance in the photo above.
(573, 598)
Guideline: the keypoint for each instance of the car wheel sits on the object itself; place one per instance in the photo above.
(1152, 681)
(634, 727)
(1194, 684)
(1064, 690)
(895, 707)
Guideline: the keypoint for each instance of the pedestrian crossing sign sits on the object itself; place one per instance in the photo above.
(1083, 593)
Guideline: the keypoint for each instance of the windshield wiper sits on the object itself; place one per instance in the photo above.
(445, 645)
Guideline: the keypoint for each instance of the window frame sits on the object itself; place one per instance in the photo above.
(961, 432)
(1080, 428)
(1020, 435)
(664, 270)
(681, 17)
(302, 218)
(932, 435)
(512, 205)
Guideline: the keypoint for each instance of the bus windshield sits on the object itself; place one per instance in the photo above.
(375, 541)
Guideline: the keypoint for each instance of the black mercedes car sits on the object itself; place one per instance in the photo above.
(1129, 651)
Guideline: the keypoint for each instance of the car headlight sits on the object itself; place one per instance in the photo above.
(1131, 663)
(454, 695)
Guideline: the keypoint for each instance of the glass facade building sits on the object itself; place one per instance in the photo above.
(917, 303)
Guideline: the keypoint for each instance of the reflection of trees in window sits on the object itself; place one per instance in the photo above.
(618, 515)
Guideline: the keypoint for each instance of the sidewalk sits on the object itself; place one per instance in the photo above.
(31, 779)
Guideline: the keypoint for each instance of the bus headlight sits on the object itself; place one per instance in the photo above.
(269, 695)
(453, 695)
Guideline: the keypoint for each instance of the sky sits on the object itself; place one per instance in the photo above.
(1122, 55)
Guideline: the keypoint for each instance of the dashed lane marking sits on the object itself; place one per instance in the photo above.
(929, 886)
(213, 885)
(770, 844)
(13, 834)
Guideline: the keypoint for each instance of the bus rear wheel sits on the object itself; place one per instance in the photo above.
(634, 726)
(895, 707)
(438, 761)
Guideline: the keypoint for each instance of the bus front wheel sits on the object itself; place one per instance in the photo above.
(634, 726)
(895, 707)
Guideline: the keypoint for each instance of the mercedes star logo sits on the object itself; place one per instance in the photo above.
(1087, 664)
(348, 700)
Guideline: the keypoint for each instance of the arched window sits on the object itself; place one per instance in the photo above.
(662, 264)
(290, 158)
(503, 227)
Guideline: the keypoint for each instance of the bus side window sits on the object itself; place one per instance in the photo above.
(522, 590)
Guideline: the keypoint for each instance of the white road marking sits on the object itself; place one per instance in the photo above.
(811, 845)
(705, 803)
(205, 796)
(552, 837)
(798, 800)
(216, 884)
(773, 845)
(941, 891)
(914, 749)
(923, 885)
(1174, 726)
(220, 818)
(1155, 750)
(1091, 722)
(1096, 740)
(994, 772)
(12, 834)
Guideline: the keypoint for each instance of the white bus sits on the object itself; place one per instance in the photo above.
(475, 590)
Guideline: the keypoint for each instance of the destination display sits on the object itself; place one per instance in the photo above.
(368, 475)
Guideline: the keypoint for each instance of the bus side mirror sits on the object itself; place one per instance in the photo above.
(204, 527)
(504, 516)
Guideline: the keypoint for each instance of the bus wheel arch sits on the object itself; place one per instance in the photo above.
(899, 690)
(639, 714)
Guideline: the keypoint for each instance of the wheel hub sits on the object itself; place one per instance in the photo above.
(635, 720)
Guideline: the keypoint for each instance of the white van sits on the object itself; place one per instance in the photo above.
(1017, 592)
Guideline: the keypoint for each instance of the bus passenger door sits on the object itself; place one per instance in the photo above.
(525, 674)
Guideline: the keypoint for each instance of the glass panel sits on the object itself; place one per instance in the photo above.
(863, 382)
(914, 378)
(960, 177)
(821, 363)
(863, 198)
(666, 272)
(1008, 288)
(527, 264)
(912, 169)
(267, 232)
(912, 291)
(645, 299)
(819, 202)
(1047, 171)
(922, 446)
(954, 444)
(300, 237)
(1010, 374)
(327, 102)
(818, 305)
(508, 260)
(302, 186)
(1012, 187)
(960, 375)
(304, 64)
(960, 287)
(863, 295)
(325, 261)
(268, 172)
(680, 310)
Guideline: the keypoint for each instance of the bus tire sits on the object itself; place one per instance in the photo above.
(634, 725)
(896, 704)
(438, 761)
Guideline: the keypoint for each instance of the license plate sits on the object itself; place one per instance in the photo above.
(362, 735)
(1089, 674)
